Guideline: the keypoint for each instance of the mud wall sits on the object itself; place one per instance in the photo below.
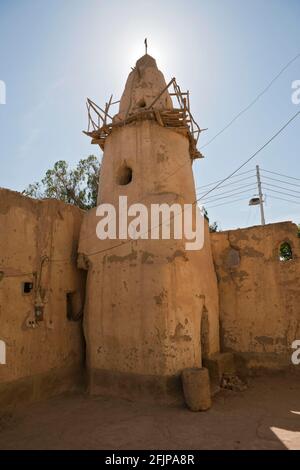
(259, 293)
(41, 298)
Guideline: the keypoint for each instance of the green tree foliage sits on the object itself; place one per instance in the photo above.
(213, 227)
(285, 252)
(78, 186)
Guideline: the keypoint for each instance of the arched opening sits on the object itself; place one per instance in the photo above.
(124, 175)
(285, 252)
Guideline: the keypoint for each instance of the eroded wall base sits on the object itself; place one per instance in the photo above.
(256, 364)
(148, 388)
(42, 386)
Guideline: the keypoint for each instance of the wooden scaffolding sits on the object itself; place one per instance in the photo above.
(180, 119)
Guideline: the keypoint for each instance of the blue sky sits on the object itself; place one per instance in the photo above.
(53, 54)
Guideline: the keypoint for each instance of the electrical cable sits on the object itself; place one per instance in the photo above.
(285, 194)
(235, 176)
(281, 187)
(215, 198)
(280, 181)
(227, 203)
(232, 183)
(280, 174)
(253, 155)
(251, 103)
(282, 199)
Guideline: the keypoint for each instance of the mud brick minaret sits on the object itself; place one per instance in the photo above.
(146, 300)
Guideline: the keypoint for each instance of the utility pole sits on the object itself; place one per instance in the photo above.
(261, 202)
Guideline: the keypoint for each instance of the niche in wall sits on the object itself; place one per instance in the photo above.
(27, 287)
(124, 175)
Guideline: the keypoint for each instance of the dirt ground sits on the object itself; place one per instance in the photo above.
(265, 416)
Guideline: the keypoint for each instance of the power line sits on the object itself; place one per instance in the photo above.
(246, 198)
(280, 192)
(228, 202)
(252, 102)
(235, 176)
(253, 155)
(230, 195)
(280, 174)
(283, 199)
(281, 181)
(229, 184)
(226, 197)
(281, 187)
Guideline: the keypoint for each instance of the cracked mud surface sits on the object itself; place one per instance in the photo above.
(265, 416)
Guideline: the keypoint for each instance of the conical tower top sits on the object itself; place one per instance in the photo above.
(143, 85)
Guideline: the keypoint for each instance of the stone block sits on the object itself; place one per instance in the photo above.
(196, 389)
(219, 364)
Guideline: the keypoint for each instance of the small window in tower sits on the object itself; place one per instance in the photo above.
(285, 252)
(124, 175)
(27, 287)
(141, 103)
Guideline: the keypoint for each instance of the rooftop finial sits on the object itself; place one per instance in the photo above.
(146, 45)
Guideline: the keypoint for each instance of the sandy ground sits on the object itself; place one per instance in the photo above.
(265, 416)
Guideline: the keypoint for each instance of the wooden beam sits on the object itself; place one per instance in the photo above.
(161, 93)
(158, 117)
